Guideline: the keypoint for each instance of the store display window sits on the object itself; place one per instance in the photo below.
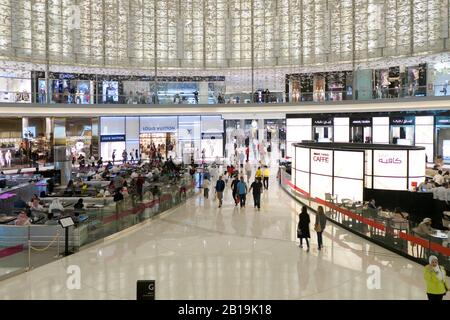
(15, 88)
(323, 129)
(110, 91)
(402, 130)
(361, 130)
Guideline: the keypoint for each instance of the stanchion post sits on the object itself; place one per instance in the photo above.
(29, 254)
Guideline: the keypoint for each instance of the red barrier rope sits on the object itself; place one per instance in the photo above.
(402, 235)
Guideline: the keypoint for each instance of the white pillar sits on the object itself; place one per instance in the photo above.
(203, 93)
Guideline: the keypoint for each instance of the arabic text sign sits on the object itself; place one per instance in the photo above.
(390, 163)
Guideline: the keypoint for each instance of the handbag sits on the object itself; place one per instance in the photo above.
(317, 227)
(299, 233)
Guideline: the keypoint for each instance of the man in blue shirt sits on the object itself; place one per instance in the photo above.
(242, 190)
(220, 186)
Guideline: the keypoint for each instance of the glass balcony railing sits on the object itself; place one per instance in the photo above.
(82, 92)
(382, 227)
(25, 247)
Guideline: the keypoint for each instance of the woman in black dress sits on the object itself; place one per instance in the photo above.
(303, 227)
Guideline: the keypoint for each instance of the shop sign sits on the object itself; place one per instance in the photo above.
(112, 138)
(443, 120)
(322, 122)
(389, 158)
(323, 157)
(158, 124)
(401, 121)
(361, 122)
(211, 136)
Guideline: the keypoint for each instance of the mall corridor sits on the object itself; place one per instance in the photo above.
(198, 251)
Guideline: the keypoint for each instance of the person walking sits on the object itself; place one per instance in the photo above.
(266, 178)
(258, 173)
(220, 186)
(248, 170)
(206, 184)
(234, 190)
(435, 278)
(319, 226)
(256, 187)
(124, 156)
(242, 190)
(303, 227)
(247, 152)
(241, 158)
(113, 156)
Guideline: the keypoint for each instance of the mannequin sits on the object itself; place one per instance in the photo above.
(2, 159)
(8, 158)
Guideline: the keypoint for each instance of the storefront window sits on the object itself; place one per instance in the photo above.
(13, 149)
(323, 129)
(158, 135)
(361, 130)
(79, 136)
(402, 130)
(37, 135)
(15, 87)
(189, 136)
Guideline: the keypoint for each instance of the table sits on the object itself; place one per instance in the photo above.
(7, 219)
(97, 206)
(390, 214)
(439, 234)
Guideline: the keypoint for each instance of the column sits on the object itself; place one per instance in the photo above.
(203, 92)
(61, 156)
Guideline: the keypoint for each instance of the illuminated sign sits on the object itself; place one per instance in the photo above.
(321, 157)
(322, 122)
(390, 160)
(112, 138)
(401, 121)
(361, 122)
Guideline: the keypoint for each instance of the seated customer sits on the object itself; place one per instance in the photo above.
(372, 204)
(398, 215)
(56, 205)
(22, 220)
(50, 221)
(424, 228)
(426, 186)
(79, 205)
(439, 178)
(35, 205)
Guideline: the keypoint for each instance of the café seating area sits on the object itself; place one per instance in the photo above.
(102, 213)
(395, 230)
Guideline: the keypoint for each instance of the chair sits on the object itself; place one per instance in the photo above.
(330, 198)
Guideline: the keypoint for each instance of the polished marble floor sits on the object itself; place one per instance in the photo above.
(198, 251)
